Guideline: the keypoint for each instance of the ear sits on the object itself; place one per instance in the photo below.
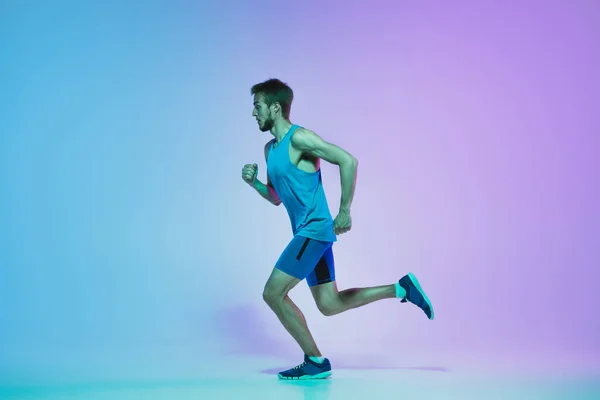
(276, 107)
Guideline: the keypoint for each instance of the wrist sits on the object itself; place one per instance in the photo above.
(345, 209)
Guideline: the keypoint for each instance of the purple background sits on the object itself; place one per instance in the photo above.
(126, 225)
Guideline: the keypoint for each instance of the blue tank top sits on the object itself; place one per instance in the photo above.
(300, 192)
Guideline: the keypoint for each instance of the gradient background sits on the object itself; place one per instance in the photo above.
(127, 235)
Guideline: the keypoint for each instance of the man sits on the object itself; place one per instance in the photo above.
(294, 179)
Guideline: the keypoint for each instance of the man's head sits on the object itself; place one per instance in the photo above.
(272, 100)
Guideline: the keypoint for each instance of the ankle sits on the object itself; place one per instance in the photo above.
(400, 291)
(318, 359)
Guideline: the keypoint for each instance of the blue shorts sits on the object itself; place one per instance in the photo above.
(308, 258)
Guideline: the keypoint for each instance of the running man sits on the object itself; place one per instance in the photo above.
(294, 180)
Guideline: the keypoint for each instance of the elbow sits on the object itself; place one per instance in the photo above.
(348, 163)
(352, 162)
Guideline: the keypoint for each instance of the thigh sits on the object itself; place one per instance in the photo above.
(301, 256)
(324, 271)
(325, 294)
(280, 283)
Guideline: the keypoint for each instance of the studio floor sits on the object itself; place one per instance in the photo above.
(255, 378)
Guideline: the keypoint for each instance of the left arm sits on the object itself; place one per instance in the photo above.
(310, 143)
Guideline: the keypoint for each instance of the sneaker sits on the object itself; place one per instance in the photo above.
(308, 370)
(415, 294)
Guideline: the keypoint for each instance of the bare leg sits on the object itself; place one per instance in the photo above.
(357, 297)
(276, 296)
(293, 320)
(332, 302)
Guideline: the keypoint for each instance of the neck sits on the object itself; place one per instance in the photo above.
(280, 128)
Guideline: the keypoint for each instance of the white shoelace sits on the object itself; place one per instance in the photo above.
(300, 366)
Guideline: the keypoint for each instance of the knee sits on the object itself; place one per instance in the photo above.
(271, 296)
(328, 308)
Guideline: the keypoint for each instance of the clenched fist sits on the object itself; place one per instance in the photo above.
(249, 173)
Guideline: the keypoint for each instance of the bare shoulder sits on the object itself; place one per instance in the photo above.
(303, 138)
(267, 148)
(268, 144)
(308, 142)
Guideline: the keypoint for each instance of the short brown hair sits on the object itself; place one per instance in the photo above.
(275, 91)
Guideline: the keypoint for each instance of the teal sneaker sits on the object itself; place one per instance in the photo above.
(415, 294)
(308, 370)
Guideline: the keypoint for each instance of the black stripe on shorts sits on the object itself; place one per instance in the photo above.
(322, 272)
(299, 256)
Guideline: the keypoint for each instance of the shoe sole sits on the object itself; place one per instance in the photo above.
(322, 375)
(415, 282)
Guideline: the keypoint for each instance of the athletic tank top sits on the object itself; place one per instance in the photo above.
(300, 192)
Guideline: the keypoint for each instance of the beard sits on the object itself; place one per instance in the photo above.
(267, 125)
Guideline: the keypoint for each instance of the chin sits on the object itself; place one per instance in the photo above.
(266, 126)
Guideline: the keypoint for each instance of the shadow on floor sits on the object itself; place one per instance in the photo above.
(342, 366)
(243, 326)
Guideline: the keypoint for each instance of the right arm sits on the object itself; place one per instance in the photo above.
(266, 191)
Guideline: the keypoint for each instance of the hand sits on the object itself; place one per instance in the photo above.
(342, 223)
(249, 173)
